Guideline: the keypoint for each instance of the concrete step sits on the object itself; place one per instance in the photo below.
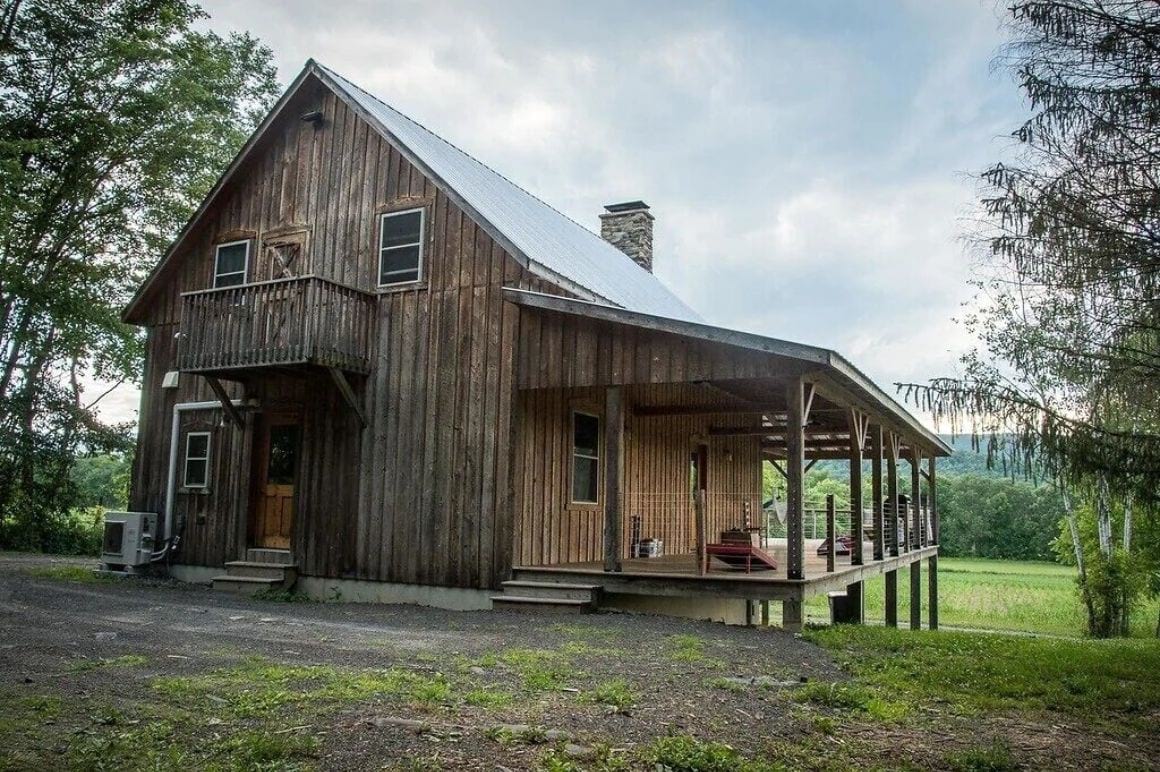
(246, 585)
(529, 589)
(286, 573)
(540, 605)
(264, 555)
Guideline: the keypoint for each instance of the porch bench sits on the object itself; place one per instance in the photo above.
(737, 556)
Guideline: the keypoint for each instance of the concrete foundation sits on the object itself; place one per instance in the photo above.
(731, 611)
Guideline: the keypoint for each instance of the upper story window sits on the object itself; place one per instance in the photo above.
(585, 458)
(196, 460)
(230, 263)
(401, 247)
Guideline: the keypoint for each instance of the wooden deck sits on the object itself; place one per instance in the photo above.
(676, 575)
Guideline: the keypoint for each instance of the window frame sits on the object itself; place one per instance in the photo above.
(573, 455)
(422, 244)
(245, 272)
(185, 483)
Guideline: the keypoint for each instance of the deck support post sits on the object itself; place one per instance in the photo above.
(795, 490)
(791, 615)
(916, 595)
(932, 587)
(858, 426)
(613, 472)
(855, 598)
(876, 491)
(891, 598)
(892, 492)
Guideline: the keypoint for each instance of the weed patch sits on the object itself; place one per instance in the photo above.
(616, 693)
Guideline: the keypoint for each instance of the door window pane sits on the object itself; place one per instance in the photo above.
(283, 462)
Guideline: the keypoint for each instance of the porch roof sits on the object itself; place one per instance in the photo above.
(830, 362)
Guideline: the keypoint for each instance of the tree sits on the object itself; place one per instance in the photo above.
(116, 116)
(1067, 373)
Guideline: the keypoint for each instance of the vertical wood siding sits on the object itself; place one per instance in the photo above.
(422, 494)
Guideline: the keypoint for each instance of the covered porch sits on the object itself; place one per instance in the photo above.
(654, 486)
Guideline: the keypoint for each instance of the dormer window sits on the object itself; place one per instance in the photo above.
(401, 247)
(231, 262)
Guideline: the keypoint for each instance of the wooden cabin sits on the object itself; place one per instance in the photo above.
(380, 370)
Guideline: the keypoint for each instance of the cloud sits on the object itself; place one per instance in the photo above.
(806, 163)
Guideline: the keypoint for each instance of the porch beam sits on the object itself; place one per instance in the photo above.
(795, 473)
(228, 405)
(347, 393)
(676, 410)
(613, 472)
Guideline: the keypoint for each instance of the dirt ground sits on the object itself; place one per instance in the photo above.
(152, 674)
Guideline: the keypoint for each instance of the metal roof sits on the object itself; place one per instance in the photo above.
(550, 241)
(831, 361)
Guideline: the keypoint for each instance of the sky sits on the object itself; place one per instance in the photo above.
(810, 165)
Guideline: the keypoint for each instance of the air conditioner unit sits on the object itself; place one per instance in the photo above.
(129, 538)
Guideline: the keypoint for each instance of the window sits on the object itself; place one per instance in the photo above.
(585, 458)
(401, 247)
(196, 460)
(231, 263)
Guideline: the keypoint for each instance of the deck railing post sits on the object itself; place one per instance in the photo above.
(892, 491)
(830, 533)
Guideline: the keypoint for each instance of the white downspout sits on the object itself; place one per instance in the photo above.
(171, 481)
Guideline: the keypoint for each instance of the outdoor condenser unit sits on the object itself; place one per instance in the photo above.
(128, 542)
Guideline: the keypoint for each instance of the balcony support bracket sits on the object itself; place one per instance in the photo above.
(347, 393)
(227, 404)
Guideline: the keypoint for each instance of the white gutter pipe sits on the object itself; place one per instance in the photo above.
(171, 483)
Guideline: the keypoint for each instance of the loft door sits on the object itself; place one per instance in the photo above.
(276, 471)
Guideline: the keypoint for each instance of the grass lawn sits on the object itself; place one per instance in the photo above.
(1024, 596)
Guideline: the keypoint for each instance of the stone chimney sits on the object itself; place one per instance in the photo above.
(629, 228)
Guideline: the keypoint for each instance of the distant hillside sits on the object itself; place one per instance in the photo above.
(965, 460)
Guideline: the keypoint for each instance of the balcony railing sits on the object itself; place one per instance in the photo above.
(305, 320)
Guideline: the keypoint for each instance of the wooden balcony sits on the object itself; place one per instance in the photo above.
(295, 322)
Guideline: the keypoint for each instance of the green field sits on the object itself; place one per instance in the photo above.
(995, 595)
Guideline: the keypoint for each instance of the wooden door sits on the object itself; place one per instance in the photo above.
(276, 475)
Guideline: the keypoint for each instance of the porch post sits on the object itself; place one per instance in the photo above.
(876, 491)
(932, 500)
(892, 491)
(932, 514)
(918, 532)
(857, 439)
(613, 471)
(794, 472)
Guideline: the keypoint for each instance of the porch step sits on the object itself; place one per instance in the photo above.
(528, 589)
(246, 585)
(283, 572)
(264, 555)
(524, 595)
(536, 605)
(250, 576)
